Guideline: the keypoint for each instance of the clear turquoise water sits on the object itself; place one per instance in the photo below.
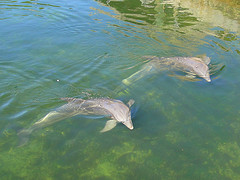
(182, 129)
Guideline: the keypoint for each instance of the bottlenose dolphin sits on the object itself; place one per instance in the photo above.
(193, 66)
(116, 109)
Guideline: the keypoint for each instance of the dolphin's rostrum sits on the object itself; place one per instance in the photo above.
(193, 66)
(116, 109)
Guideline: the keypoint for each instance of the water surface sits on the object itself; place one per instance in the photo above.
(182, 129)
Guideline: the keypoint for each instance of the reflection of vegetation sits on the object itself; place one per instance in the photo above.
(157, 14)
(175, 15)
(132, 11)
(226, 36)
(25, 8)
(182, 23)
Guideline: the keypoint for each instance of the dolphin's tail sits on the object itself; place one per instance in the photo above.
(138, 75)
(24, 136)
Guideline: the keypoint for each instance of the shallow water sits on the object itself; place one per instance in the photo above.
(182, 129)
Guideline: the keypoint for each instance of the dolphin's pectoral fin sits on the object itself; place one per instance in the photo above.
(130, 103)
(110, 124)
(191, 76)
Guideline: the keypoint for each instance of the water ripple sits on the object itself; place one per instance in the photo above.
(25, 8)
(5, 103)
(87, 68)
(19, 114)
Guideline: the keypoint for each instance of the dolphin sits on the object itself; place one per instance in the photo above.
(116, 109)
(193, 66)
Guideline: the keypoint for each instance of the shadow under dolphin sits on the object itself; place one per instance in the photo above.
(193, 66)
(116, 109)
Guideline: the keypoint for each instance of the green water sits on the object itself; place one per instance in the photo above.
(182, 129)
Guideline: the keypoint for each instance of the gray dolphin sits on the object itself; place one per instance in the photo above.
(116, 109)
(193, 66)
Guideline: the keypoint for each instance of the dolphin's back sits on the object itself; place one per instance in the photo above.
(94, 107)
(100, 106)
(179, 63)
(117, 108)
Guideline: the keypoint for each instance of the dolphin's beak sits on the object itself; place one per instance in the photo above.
(131, 128)
(208, 79)
(128, 124)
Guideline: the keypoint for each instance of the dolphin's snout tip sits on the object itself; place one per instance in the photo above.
(208, 79)
(129, 126)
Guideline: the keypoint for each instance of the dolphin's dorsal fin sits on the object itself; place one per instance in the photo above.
(150, 57)
(110, 124)
(130, 103)
(204, 58)
(69, 99)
